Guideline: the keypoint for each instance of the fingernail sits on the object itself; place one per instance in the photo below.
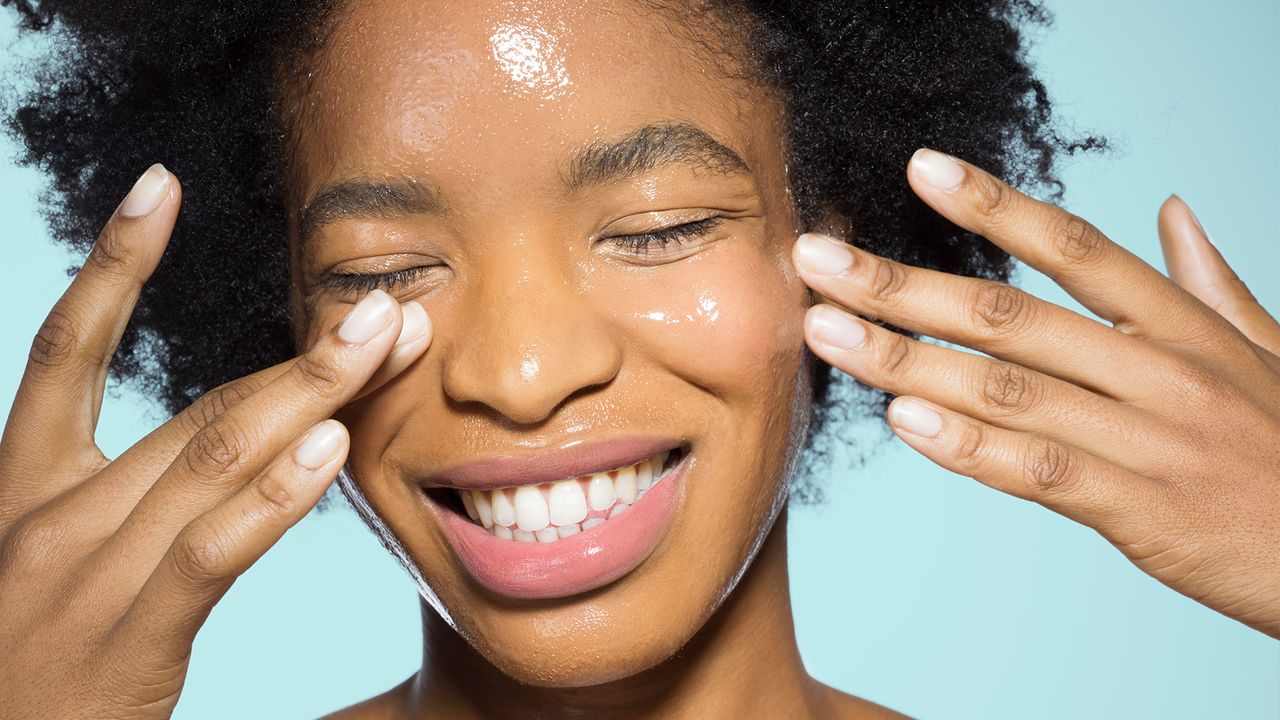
(1196, 220)
(938, 169)
(415, 325)
(147, 193)
(915, 417)
(320, 446)
(367, 318)
(823, 254)
(832, 327)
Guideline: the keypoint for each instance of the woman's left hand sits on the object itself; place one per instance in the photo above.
(1160, 430)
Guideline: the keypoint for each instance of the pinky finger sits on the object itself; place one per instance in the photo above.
(217, 547)
(1071, 482)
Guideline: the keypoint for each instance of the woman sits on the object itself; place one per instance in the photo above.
(542, 262)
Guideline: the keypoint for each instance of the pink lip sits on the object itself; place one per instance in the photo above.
(548, 466)
(569, 566)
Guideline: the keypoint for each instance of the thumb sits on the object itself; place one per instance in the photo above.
(1196, 265)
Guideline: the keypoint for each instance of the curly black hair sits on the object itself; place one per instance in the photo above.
(198, 87)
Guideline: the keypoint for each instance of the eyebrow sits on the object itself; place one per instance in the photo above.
(647, 148)
(361, 198)
(598, 163)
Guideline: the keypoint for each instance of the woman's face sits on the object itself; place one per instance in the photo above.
(507, 165)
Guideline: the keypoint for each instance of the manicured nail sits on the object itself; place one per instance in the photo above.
(823, 254)
(415, 325)
(320, 446)
(367, 318)
(832, 327)
(915, 417)
(1196, 220)
(147, 193)
(939, 170)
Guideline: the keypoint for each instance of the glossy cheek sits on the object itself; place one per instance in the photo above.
(729, 320)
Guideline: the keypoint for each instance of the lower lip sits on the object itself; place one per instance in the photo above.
(576, 564)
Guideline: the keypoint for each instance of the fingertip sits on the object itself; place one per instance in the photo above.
(415, 326)
(323, 445)
(937, 170)
(914, 417)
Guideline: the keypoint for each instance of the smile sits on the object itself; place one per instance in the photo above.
(548, 512)
(562, 522)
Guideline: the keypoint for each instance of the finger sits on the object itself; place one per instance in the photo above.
(1004, 394)
(1104, 277)
(415, 336)
(992, 317)
(55, 411)
(236, 445)
(1063, 478)
(101, 502)
(216, 548)
(1196, 265)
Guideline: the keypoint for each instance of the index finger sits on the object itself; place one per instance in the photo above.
(1105, 277)
(55, 410)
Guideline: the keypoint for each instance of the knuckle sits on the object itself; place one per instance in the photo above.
(216, 402)
(1199, 383)
(318, 374)
(275, 492)
(31, 541)
(992, 198)
(217, 449)
(897, 353)
(888, 281)
(200, 556)
(1001, 308)
(971, 447)
(1048, 468)
(56, 339)
(1007, 388)
(111, 252)
(1075, 239)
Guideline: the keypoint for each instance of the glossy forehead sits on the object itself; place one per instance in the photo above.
(487, 92)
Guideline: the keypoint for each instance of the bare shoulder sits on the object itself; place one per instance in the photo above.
(839, 705)
(386, 706)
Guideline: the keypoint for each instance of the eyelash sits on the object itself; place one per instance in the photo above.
(639, 243)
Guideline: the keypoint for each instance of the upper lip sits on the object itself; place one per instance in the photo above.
(568, 461)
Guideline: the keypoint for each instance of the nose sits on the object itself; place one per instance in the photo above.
(527, 341)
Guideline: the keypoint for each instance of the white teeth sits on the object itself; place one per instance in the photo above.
(504, 513)
(644, 476)
(470, 505)
(568, 505)
(600, 492)
(552, 511)
(483, 507)
(625, 485)
(531, 508)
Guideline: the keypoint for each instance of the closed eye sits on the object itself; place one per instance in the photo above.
(646, 242)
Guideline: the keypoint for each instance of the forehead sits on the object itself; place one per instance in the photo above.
(485, 92)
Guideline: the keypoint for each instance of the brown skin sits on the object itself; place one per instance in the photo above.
(109, 567)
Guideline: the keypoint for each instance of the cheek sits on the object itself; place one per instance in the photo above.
(730, 320)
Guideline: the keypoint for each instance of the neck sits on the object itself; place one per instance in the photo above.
(742, 663)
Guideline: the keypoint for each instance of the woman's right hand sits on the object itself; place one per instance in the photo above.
(108, 568)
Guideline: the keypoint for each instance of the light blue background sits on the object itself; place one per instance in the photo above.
(913, 587)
